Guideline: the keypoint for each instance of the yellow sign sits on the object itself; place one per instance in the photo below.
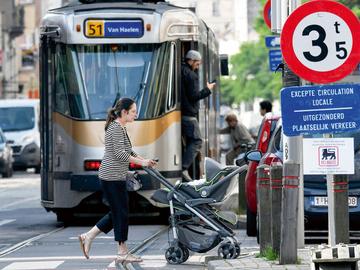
(94, 28)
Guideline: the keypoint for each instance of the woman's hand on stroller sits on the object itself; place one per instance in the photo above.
(149, 163)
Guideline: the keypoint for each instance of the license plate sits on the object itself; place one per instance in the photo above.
(323, 201)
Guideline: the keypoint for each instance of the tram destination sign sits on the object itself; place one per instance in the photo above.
(320, 109)
(95, 28)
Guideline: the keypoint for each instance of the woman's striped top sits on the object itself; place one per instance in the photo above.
(118, 149)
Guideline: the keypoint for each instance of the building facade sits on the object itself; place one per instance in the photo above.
(11, 26)
(231, 20)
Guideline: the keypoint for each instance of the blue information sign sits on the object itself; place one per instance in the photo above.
(272, 41)
(124, 29)
(275, 58)
(320, 109)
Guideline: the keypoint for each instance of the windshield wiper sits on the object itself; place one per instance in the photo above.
(139, 95)
(118, 93)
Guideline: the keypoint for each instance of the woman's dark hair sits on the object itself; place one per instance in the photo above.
(113, 113)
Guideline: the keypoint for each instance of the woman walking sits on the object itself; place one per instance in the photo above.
(112, 175)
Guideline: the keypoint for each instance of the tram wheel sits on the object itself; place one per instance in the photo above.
(227, 250)
(174, 255)
(64, 216)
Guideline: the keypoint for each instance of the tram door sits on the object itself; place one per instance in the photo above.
(195, 169)
(47, 47)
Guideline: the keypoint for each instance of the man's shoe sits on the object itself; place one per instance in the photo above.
(185, 176)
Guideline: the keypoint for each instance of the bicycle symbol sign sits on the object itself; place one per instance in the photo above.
(320, 41)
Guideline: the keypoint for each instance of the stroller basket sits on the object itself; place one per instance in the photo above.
(197, 238)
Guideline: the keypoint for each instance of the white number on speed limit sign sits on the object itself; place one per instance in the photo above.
(320, 41)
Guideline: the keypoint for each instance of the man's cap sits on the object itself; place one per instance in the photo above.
(193, 55)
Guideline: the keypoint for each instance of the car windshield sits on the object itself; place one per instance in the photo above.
(17, 119)
(89, 79)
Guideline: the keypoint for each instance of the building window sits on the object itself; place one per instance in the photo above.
(27, 59)
(215, 8)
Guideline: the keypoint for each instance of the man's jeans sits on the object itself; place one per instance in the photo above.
(191, 134)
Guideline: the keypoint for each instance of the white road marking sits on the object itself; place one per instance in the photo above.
(97, 237)
(33, 265)
(64, 258)
(19, 202)
(6, 221)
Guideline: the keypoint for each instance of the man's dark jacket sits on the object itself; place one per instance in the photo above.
(190, 93)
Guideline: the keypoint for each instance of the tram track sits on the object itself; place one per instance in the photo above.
(140, 248)
(27, 242)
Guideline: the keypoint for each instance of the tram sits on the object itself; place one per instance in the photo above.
(91, 54)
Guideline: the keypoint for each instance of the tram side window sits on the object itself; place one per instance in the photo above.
(61, 99)
(68, 98)
(155, 99)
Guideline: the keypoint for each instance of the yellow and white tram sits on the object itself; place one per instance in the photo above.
(91, 55)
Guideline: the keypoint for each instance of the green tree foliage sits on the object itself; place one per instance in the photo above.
(250, 76)
(353, 4)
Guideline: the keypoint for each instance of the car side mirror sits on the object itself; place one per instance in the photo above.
(253, 155)
(224, 64)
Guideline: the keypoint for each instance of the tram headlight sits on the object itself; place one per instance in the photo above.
(92, 165)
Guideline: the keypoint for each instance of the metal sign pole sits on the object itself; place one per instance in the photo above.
(330, 199)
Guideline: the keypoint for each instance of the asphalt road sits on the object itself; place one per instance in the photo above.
(31, 238)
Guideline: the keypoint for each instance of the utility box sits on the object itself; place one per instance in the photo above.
(339, 257)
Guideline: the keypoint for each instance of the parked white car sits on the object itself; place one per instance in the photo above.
(19, 120)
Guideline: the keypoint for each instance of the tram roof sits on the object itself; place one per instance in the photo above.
(162, 16)
(77, 6)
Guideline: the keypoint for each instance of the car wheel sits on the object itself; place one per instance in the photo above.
(250, 223)
(37, 169)
(9, 172)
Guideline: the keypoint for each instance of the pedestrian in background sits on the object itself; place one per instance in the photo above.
(239, 136)
(190, 97)
(112, 175)
(265, 107)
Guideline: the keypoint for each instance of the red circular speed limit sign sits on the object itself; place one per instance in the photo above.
(267, 13)
(320, 41)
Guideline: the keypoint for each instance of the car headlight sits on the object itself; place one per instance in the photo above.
(28, 139)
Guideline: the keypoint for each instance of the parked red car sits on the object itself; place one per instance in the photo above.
(266, 129)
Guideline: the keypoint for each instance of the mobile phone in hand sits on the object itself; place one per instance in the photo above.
(213, 81)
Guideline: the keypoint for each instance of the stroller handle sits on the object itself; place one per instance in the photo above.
(158, 176)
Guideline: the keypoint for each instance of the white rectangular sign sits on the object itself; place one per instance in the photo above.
(328, 156)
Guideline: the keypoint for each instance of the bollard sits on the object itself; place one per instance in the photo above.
(340, 213)
(276, 192)
(264, 206)
(289, 213)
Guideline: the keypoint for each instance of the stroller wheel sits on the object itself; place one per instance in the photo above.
(175, 255)
(237, 250)
(186, 253)
(227, 250)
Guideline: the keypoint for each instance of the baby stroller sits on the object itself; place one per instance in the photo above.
(196, 223)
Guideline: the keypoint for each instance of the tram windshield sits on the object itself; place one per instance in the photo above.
(89, 79)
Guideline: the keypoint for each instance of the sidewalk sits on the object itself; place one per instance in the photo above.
(250, 249)
(250, 262)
